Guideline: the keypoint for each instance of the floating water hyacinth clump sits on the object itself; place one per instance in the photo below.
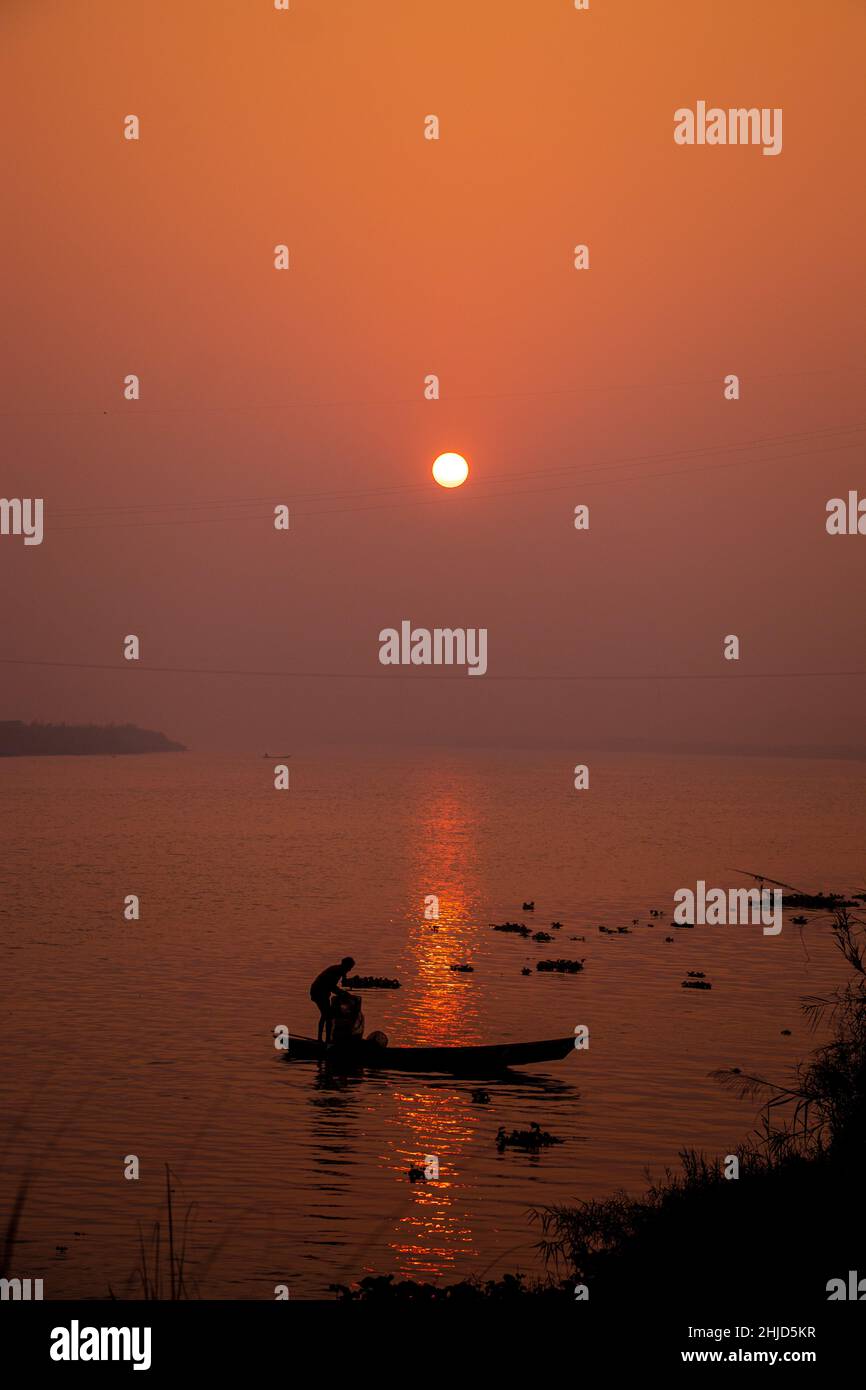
(516, 927)
(532, 1139)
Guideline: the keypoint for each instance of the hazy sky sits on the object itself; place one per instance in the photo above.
(453, 256)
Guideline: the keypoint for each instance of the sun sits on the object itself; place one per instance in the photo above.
(450, 470)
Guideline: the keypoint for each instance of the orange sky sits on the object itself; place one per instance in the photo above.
(409, 257)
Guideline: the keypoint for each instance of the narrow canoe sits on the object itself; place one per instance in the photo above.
(479, 1061)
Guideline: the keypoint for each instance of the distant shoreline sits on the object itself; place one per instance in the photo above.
(20, 740)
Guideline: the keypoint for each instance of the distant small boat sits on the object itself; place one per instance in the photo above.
(482, 1060)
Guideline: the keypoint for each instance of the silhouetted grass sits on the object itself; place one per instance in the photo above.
(10, 1234)
(162, 1262)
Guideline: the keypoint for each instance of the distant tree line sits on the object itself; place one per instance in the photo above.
(18, 739)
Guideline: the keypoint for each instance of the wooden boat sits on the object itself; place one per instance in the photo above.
(475, 1061)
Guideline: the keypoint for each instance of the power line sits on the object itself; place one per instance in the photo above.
(594, 483)
(112, 524)
(399, 674)
(825, 431)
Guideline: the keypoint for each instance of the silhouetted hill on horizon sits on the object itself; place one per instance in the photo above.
(18, 739)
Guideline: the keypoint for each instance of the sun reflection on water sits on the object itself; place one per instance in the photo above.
(443, 1008)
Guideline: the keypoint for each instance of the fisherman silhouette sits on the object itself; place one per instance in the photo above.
(323, 988)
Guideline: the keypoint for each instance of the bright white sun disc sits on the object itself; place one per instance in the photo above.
(450, 470)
